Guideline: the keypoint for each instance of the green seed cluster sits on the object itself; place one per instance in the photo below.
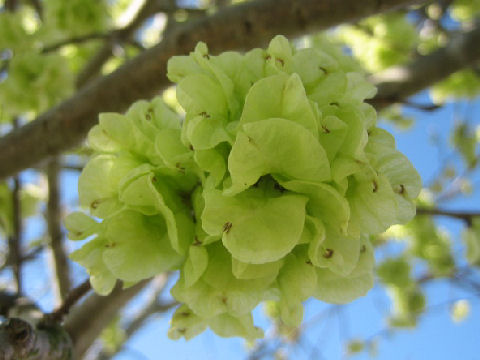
(267, 190)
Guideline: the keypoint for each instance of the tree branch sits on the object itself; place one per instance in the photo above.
(75, 41)
(153, 306)
(20, 340)
(466, 216)
(70, 300)
(54, 216)
(86, 322)
(27, 257)
(398, 83)
(242, 26)
(15, 238)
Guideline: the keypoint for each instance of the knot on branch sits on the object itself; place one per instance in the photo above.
(20, 340)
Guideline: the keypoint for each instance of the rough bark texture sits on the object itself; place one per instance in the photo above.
(236, 27)
(20, 340)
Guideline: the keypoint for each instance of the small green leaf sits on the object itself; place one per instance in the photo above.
(80, 226)
(255, 229)
(139, 247)
(278, 147)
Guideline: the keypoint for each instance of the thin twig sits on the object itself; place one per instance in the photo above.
(60, 260)
(27, 257)
(93, 67)
(466, 216)
(423, 107)
(75, 41)
(386, 101)
(70, 300)
(15, 238)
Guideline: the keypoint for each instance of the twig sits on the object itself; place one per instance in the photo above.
(423, 107)
(15, 239)
(7, 301)
(93, 67)
(75, 41)
(60, 260)
(387, 101)
(71, 299)
(466, 216)
(27, 257)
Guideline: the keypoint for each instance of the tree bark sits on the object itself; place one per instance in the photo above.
(20, 340)
(398, 83)
(235, 27)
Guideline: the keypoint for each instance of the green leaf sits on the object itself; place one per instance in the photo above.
(297, 281)
(471, 239)
(358, 88)
(151, 196)
(170, 148)
(373, 205)
(99, 180)
(256, 229)
(278, 147)
(185, 323)
(199, 93)
(226, 325)
(279, 96)
(247, 271)
(80, 225)
(213, 162)
(218, 291)
(312, 65)
(90, 256)
(395, 272)
(325, 203)
(139, 247)
(339, 253)
(195, 264)
(100, 141)
(338, 289)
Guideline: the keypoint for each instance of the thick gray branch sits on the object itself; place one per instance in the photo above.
(236, 27)
(20, 340)
(398, 83)
(86, 322)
